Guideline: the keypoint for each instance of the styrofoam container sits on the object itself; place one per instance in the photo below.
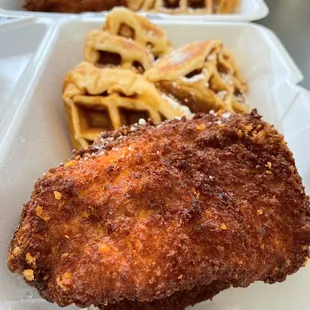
(248, 10)
(21, 43)
(37, 138)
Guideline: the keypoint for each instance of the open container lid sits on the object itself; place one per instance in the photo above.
(248, 10)
(34, 134)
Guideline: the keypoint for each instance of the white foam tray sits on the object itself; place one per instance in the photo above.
(21, 43)
(248, 10)
(35, 137)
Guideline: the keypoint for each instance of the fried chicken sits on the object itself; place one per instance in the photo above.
(70, 6)
(167, 214)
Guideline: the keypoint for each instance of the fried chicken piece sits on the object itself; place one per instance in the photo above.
(70, 6)
(150, 211)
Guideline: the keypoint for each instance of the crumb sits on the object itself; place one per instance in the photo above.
(223, 227)
(201, 127)
(226, 115)
(57, 195)
(104, 248)
(64, 280)
(260, 212)
(28, 274)
(16, 251)
(142, 122)
(68, 163)
(268, 172)
(86, 214)
(67, 237)
(30, 259)
(42, 214)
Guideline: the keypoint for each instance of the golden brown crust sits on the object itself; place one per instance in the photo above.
(177, 301)
(150, 211)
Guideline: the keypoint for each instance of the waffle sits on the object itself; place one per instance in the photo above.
(99, 99)
(185, 6)
(105, 50)
(123, 22)
(203, 76)
(225, 6)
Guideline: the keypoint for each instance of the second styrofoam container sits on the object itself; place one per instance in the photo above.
(38, 139)
(248, 10)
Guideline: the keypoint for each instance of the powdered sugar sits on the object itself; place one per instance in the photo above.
(222, 94)
(194, 78)
(226, 77)
(211, 57)
(175, 104)
(142, 122)
(226, 115)
(178, 57)
(240, 98)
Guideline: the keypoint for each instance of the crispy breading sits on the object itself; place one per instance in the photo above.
(177, 301)
(148, 212)
(69, 6)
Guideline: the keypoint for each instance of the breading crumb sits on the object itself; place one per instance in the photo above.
(68, 163)
(85, 214)
(239, 133)
(57, 195)
(42, 214)
(104, 248)
(30, 259)
(269, 165)
(16, 251)
(223, 226)
(28, 274)
(268, 172)
(201, 127)
(64, 280)
(67, 237)
(260, 212)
